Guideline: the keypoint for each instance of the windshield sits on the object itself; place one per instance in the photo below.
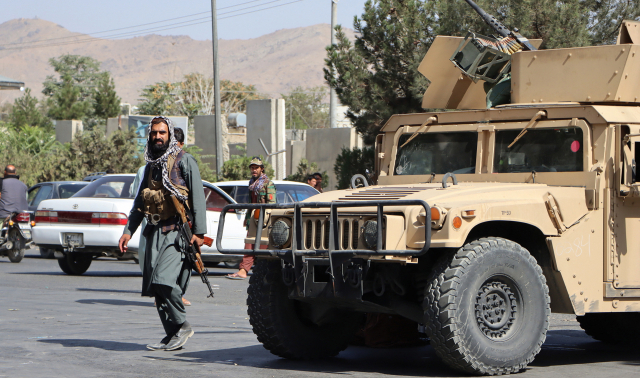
(108, 187)
(437, 153)
(540, 150)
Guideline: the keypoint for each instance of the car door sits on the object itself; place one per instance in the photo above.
(234, 231)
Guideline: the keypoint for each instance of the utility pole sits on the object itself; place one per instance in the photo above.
(216, 93)
(333, 100)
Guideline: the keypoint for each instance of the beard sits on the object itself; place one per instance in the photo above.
(158, 150)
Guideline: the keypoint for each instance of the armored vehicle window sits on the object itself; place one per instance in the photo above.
(540, 150)
(437, 153)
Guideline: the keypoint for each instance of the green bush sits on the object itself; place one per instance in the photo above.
(351, 162)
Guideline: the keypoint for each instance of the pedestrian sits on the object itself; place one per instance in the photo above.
(261, 190)
(166, 272)
(318, 185)
(136, 184)
(311, 180)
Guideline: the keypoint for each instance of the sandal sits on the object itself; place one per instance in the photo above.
(234, 276)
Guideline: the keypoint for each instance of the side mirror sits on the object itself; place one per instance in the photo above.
(629, 151)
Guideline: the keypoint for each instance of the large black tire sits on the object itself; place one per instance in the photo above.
(75, 264)
(487, 308)
(614, 328)
(16, 253)
(282, 326)
(46, 253)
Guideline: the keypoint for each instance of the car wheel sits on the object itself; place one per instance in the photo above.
(75, 264)
(292, 329)
(211, 264)
(487, 308)
(46, 253)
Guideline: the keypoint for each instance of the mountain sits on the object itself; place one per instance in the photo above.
(275, 63)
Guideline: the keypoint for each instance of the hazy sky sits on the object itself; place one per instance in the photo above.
(99, 16)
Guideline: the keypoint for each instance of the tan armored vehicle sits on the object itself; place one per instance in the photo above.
(480, 223)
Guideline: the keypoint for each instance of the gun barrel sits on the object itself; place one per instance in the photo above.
(489, 19)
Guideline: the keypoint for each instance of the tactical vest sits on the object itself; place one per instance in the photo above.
(158, 205)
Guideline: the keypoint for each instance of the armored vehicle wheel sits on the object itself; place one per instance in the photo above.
(487, 308)
(617, 328)
(290, 328)
(16, 253)
(75, 264)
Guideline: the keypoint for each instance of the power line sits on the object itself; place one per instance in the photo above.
(35, 44)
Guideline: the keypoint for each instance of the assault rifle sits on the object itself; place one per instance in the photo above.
(193, 250)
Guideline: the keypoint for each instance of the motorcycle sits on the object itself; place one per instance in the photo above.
(15, 236)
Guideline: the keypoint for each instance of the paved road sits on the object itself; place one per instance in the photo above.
(97, 325)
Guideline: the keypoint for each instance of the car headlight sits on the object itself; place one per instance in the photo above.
(370, 234)
(280, 234)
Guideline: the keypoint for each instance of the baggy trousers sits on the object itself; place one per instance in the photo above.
(166, 276)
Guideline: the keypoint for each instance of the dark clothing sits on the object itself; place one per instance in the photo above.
(14, 196)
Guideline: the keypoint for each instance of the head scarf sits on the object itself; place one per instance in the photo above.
(161, 161)
(257, 183)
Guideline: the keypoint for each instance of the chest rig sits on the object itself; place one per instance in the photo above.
(158, 205)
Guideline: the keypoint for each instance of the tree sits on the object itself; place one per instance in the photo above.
(304, 170)
(157, 99)
(84, 71)
(238, 169)
(107, 102)
(206, 173)
(26, 112)
(305, 108)
(377, 76)
(67, 103)
(352, 162)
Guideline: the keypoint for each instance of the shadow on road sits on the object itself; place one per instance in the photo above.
(100, 344)
(105, 273)
(108, 290)
(414, 361)
(115, 302)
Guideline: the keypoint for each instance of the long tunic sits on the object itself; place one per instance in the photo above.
(165, 262)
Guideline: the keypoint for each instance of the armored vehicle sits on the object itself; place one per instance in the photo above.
(482, 221)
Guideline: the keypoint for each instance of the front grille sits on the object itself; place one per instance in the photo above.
(316, 233)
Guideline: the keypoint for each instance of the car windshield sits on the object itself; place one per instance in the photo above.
(437, 153)
(67, 190)
(284, 193)
(540, 150)
(108, 187)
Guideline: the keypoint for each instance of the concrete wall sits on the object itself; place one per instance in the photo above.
(296, 151)
(117, 123)
(65, 130)
(266, 122)
(205, 138)
(324, 146)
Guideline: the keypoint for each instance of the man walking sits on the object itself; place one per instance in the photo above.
(169, 172)
(261, 190)
(136, 186)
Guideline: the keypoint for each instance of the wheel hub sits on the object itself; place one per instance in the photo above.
(496, 307)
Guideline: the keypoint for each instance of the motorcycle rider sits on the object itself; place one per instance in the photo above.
(13, 193)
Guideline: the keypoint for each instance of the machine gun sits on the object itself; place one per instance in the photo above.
(487, 58)
(193, 251)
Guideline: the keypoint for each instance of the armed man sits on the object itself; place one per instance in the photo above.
(171, 179)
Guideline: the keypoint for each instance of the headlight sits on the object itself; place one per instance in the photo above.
(280, 233)
(370, 234)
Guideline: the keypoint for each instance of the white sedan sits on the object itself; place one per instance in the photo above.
(90, 223)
